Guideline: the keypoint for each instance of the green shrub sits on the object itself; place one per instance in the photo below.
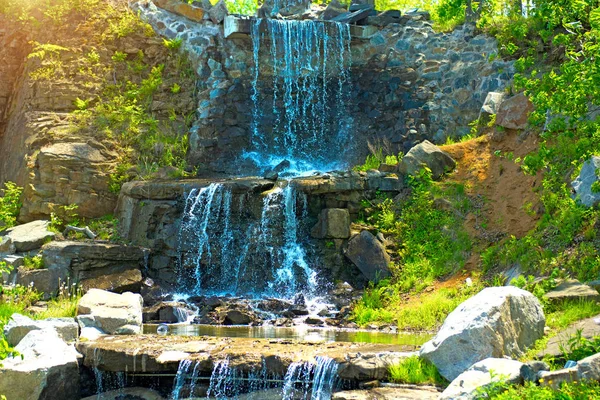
(35, 262)
(415, 370)
(10, 205)
(568, 391)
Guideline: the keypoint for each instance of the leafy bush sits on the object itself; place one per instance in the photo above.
(35, 262)
(567, 391)
(10, 205)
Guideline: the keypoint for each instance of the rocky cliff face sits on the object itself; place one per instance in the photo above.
(59, 157)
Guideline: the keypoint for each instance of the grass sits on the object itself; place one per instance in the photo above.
(415, 370)
(568, 391)
(571, 311)
(384, 304)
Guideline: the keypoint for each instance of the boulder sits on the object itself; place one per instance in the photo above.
(497, 322)
(430, 155)
(491, 105)
(572, 289)
(531, 371)
(483, 373)
(88, 260)
(119, 282)
(514, 112)
(114, 314)
(30, 236)
(333, 223)
(19, 326)
(218, 12)
(369, 255)
(368, 367)
(582, 185)
(236, 317)
(48, 369)
(334, 8)
(6, 245)
(190, 11)
(46, 281)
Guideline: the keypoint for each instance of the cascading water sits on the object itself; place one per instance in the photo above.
(218, 240)
(303, 380)
(300, 114)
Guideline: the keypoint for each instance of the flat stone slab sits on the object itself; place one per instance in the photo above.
(30, 236)
(127, 393)
(403, 392)
(572, 290)
(162, 354)
(588, 327)
(239, 27)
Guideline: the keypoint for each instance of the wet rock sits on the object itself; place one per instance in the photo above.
(334, 8)
(48, 369)
(114, 314)
(165, 312)
(287, 7)
(297, 311)
(119, 282)
(582, 185)
(572, 289)
(283, 322)
(514, 112)
(369, 255)
(153, 293)
(273, 305)
(430, 155)
(333, 223)
(480, 375)
(299, 300)
(30, 236)
(236, 317)
(135, 393)
(19, 326)
(497, 322)
(314, 321)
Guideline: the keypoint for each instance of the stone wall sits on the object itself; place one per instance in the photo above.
(408, 83)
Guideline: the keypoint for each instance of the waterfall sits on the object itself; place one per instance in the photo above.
(300, 114)
(318, 379)
(184, 367)
(223, 250)
(303, 380)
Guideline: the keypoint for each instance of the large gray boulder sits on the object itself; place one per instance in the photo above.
(497, 322)
(30, 236)
(333, 223)
(19, 326)
(480, 375)
(429, 155)
(513, 113)
(47, 281)
(583, 183)
(111, 313)
(369, 255)
(48, 369)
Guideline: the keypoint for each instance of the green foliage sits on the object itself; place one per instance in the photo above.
(65, 304)
(10, 205)
(373, 161)
(173, 44)
(578, 347)
(564, 314)
(242, 7)
(32, 263)
(415, 370)
(568, 391)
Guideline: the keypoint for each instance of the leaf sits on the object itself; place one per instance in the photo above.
(595, 18)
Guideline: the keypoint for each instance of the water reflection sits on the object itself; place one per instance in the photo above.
(296, 333)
